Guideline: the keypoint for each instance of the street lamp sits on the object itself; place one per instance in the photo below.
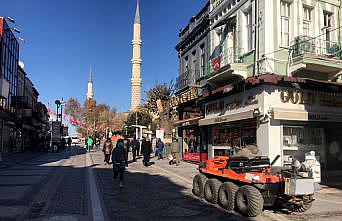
(58, 104)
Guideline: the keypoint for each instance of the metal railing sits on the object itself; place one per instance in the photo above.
(303, 45)
(227, 56)
(187, 78)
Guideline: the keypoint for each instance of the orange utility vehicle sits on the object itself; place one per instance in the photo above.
(250, 184)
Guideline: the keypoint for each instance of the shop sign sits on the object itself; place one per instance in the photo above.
(216, 63)
(220, 106)
(195, 157)
(190, 95)
(325, 117)
(296, 96)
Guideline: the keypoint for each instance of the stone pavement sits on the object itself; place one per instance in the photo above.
(10, 159)
(163, 192)
(75, 186)
(157, 192)
(48, 186)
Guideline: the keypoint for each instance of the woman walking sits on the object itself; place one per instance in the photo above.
(119, 161)
(107, 150)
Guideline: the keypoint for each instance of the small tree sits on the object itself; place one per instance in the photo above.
(157, 103)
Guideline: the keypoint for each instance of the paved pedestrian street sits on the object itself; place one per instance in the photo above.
(75, 185)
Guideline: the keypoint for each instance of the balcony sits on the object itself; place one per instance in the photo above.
(227, 64)
(317, 56)
(188, 78)
(21, 102)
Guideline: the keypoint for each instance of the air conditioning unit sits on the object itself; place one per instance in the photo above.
(4, 88)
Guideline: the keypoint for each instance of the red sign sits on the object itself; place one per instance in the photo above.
(195, 157)
(216, 63)
(1, 25)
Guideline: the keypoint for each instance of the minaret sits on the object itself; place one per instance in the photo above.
(90, 94)
(136, 62)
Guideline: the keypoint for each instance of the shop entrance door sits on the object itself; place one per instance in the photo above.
(333, 151)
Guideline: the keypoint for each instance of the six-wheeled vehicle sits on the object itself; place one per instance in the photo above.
(249, 184)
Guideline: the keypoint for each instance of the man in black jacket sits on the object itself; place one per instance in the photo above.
(146, 151)
(135, 145)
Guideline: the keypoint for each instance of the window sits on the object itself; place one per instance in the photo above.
(202, 61)
(186, 64)
(328, 19)
(285, 23)
(249, 27)
(307, 21)
(298, 140)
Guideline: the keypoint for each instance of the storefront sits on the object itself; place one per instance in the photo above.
(192, 140)
(231, 123)
(284, 121)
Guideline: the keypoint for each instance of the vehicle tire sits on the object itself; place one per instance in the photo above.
(249, 201)
(226, 195)
(304, 207)
(198, 185)
(211, 189)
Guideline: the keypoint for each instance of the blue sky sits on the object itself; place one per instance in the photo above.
(65, 37)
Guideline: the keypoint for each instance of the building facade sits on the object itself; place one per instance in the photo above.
(20, 123)
(286, 37)
(9, 49)
(193, 54)
(273, 78)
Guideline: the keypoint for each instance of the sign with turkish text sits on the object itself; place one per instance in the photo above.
(187, 96)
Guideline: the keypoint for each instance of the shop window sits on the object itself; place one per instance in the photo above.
(191, 141)
(234, 136)
(298, 140)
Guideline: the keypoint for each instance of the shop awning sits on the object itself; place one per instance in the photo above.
(227, 118)
(303, 115)
(188, 121)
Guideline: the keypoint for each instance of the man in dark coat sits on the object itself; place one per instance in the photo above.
(135, 145)
(119, 158)
(146, 151)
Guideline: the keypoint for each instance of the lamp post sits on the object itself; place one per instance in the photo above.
(136, 123)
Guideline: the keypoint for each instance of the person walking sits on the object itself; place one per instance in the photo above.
(69, 143)
(146, 151)
(135, 146)
(175, 150)
(107, 150)
(160, 146)
(119, 161)
(90, 143)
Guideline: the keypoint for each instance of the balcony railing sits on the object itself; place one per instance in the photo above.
(226, 57)
(304, 45)
(188, 78)
(21, 102)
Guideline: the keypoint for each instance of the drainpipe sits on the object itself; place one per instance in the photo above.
(339, 23)
(256, 40)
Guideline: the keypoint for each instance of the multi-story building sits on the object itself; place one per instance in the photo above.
(9, 56)
(273, 79)
(193, 53)
(31, 115)
(18, 97)
(286, 37)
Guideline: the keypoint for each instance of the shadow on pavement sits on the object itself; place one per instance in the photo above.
(148, 196)
(38, 180)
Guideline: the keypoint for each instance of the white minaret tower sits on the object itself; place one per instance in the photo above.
(90, 94)
(136, 62)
